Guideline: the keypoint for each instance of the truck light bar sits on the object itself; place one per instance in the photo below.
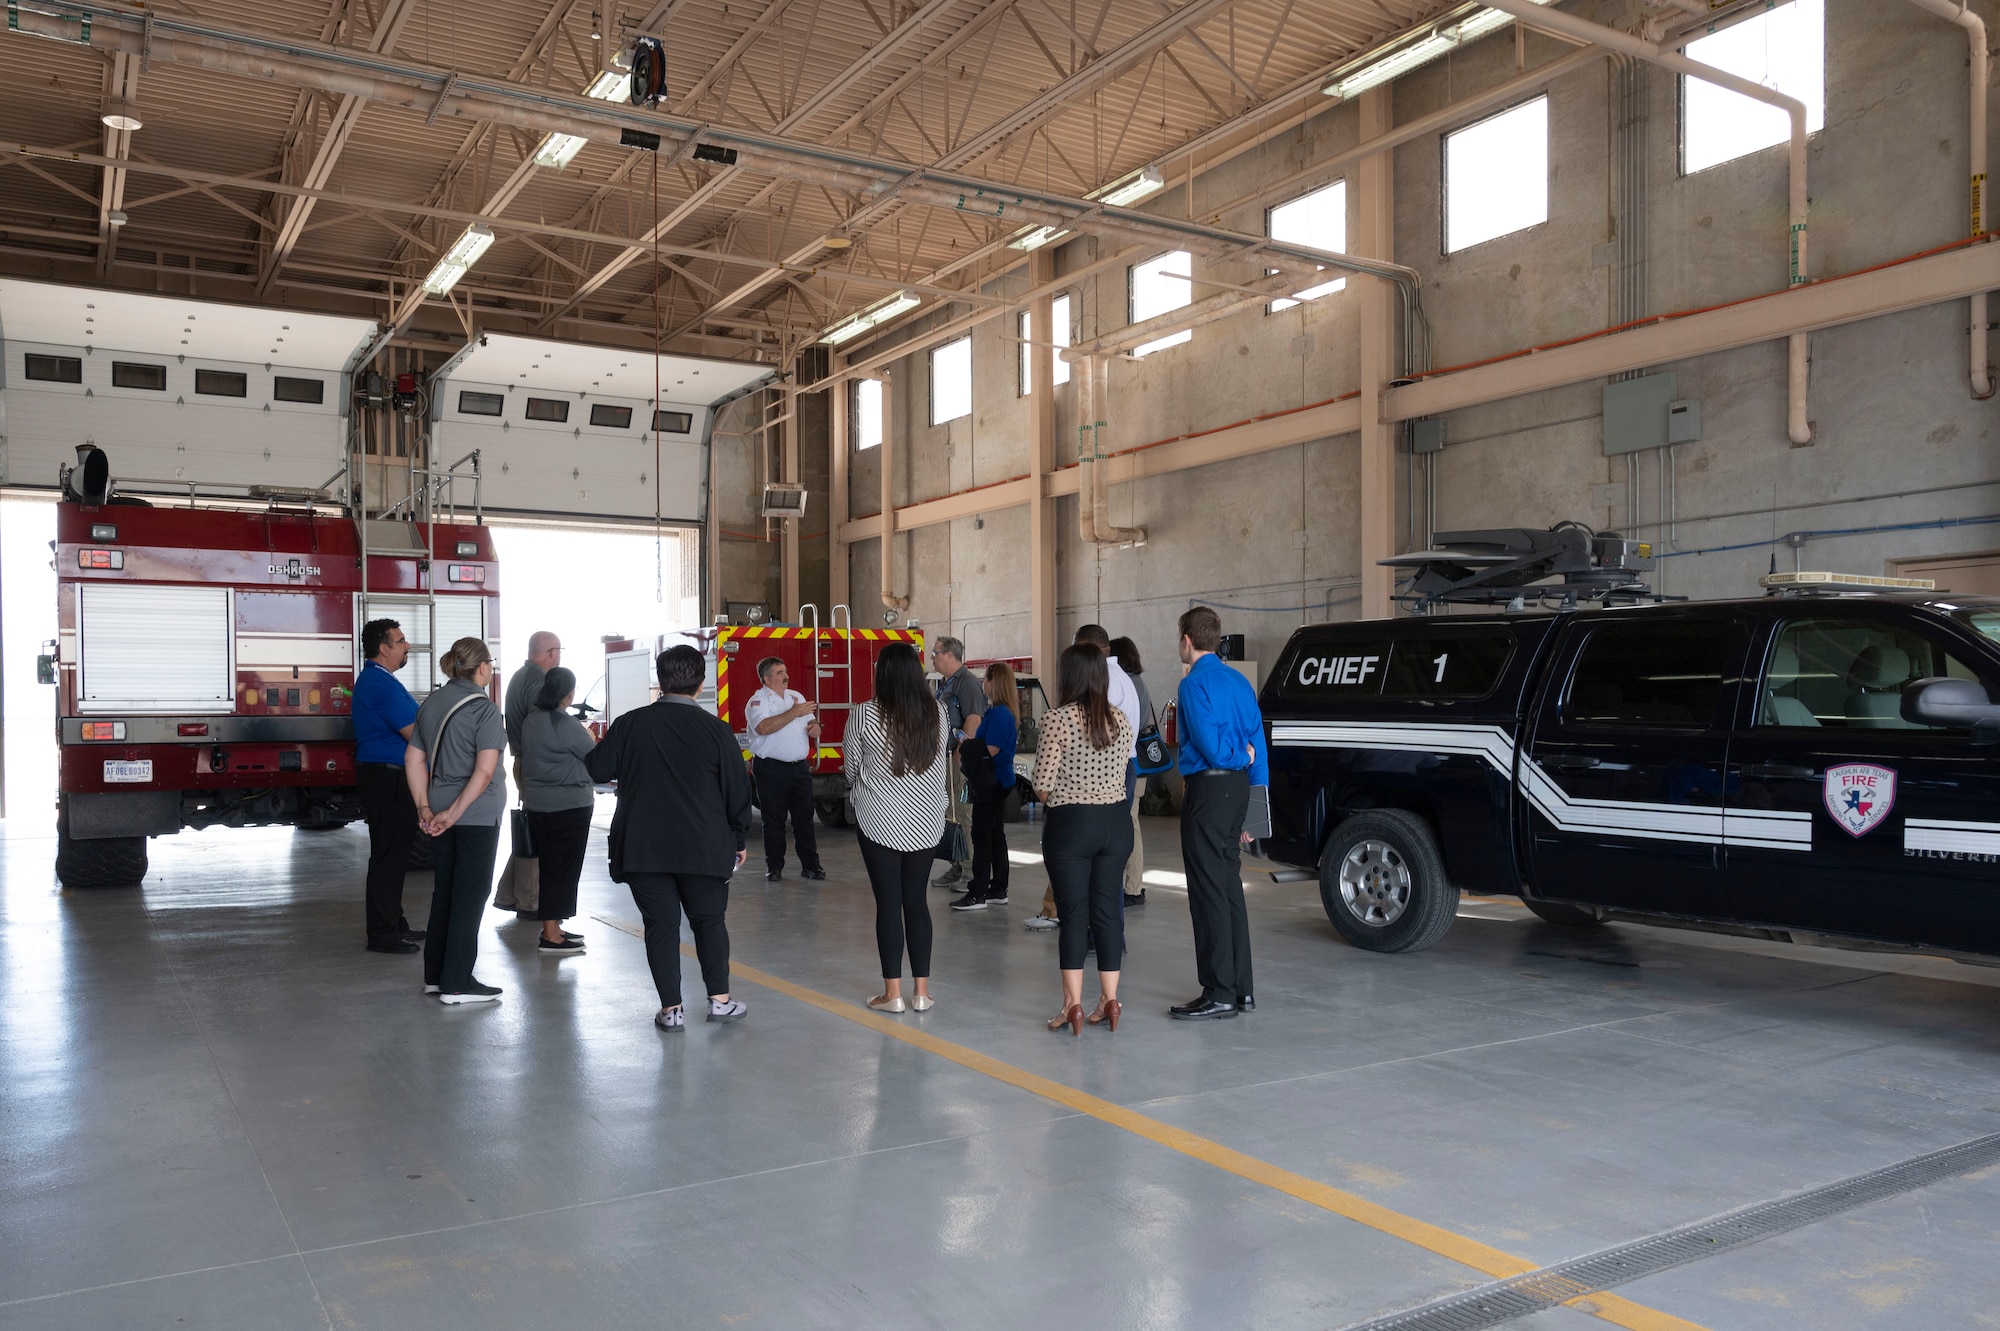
(100, 558)
(466, 573)
(104, 730)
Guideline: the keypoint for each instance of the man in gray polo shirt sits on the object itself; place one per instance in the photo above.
(964, 702)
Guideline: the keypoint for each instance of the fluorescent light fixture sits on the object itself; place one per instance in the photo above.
(559, 150)
(879, 313)
(1034, 238)
(458, 260)
(1130, 189)
(1380, 68)
(613, 85)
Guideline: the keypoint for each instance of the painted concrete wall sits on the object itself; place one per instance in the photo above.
(1273, 540)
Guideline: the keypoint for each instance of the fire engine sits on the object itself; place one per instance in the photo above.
(833, 666)
(206, 652)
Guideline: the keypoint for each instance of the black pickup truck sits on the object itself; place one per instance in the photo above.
(1816, 767)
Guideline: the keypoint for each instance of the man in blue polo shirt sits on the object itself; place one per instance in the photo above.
(384, 713)
(1222, 756)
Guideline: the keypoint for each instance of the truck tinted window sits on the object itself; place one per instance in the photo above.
(1457, 665)
(1849, 674)
(1337, 670)
(1650, 675)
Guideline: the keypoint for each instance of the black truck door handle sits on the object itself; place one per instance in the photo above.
(1571, 760)
(1779, 770)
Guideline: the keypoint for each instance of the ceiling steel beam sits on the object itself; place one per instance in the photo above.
(121, 88)
(1082, 83)
(882, 50)
(395, 14)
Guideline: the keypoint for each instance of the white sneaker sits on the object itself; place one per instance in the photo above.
(1036, 923)
(431, 988)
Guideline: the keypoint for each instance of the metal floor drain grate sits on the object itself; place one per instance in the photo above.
(1504, 1300)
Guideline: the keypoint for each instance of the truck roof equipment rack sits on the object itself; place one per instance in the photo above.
(1512, 565)
(1834, 584)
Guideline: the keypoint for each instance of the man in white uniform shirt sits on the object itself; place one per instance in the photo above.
(783, 731)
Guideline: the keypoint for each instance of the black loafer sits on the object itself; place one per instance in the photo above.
(1192, 1005)
(395, 949)
(814, 875)
(773, 876)
(1138, 900)
(1246, 1004)
(414, 935)
(1206, 1010)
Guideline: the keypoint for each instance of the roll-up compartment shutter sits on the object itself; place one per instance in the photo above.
(155, 649)
(461, 617)
(413, 616)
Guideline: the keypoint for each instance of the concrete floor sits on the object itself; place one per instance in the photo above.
(217, 1110)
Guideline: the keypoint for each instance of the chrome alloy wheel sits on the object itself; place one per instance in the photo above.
(1375, 883)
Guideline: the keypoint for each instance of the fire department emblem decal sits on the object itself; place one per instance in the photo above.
(1859, 796)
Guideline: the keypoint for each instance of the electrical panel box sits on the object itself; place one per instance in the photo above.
(1684, 421)
(1635, 412)
(1427, 435)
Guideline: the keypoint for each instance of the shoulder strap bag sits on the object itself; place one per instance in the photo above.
(1155, 754)
(437, 740)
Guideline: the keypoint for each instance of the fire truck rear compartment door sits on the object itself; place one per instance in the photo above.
(148, 648)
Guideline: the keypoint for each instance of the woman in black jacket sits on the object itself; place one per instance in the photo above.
(679, 832)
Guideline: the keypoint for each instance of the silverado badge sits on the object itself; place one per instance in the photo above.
(1859, 796)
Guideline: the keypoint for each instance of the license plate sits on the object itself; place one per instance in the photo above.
(117, 770)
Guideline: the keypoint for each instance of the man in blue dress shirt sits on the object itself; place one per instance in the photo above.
(1221, 757)
(384, 713)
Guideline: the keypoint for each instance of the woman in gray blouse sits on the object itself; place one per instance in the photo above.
(453, 766)
(558, 794)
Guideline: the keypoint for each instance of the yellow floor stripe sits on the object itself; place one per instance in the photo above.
(1431, 1238)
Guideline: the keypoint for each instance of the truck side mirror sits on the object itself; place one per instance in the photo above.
(1959, 703)
(45, 669)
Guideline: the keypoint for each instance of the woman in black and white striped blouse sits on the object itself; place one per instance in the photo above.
(898, 769)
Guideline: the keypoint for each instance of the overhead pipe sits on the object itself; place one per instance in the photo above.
(886, 458)
(1568, 25)
(1975, 38)
(1093, 492)
(1208, 310)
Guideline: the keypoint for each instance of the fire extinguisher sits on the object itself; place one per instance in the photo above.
(1170, 725)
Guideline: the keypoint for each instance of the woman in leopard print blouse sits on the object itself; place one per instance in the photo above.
(1080, 775)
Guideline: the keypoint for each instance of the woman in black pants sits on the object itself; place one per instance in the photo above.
(898, 766)
(559, 796)
(453, 767)
(1080, 774)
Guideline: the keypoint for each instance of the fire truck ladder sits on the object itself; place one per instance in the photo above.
(842, 623)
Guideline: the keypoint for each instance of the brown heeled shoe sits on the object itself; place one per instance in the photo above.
(1107, 1013)
(1071, 1016)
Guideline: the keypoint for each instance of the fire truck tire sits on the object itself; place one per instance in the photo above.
(1383, 883)
(832, 812)
(107, 862)
(1573, 917)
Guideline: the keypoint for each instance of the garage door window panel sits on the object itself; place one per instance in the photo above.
(131, 374)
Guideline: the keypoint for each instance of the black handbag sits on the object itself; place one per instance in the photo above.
(523, 833)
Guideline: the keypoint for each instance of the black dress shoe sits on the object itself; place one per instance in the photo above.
(414, 935)
(1138, 900)
(1192, 1005)
(1206, 1010)
(395, 949)
(1246, 1004)
(815, 875)
(773, 875)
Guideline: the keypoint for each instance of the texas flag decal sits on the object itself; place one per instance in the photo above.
(1859, 796)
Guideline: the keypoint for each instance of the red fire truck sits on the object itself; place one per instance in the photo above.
(206, 655)
(835, 667)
